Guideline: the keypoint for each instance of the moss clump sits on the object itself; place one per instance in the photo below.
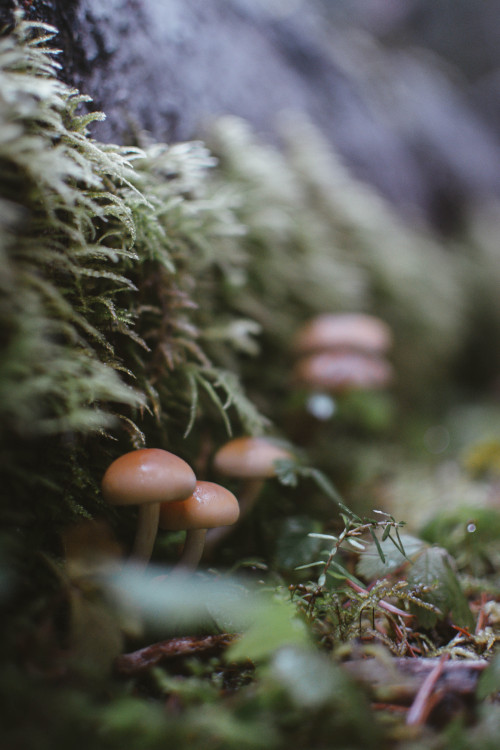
(101, 251)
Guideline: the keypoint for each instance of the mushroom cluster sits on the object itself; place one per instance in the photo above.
(336, 353)
(147, 477)
(167, 493)
(341, 352)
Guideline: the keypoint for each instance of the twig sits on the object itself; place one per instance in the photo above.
(139, 661)
(401, 678)
(481, 618)
(394, 707)
(425, 700)
(458, 667)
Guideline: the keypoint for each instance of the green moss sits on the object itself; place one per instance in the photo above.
(102, 249)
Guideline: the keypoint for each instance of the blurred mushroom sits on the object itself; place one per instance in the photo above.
(208, 507)
(342, 371)
(90, 547)
(252, 459)
(355, 331)
(147, 477)
(338, 353)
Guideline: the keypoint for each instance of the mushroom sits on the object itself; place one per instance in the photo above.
(147, 477)
(340, 352)
(341, 371)
(356, 331)
(208, 507)
(89, 547)
(252, 459)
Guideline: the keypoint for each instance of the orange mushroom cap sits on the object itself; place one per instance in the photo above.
(147, 475)
(249, 458)
(209, 506)
(343, 330)
(343, 371)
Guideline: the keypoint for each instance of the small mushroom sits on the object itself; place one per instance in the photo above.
(147, 477)
(89, 547)
(208, 507)
(356, 331)
(338, 353)
(252, 459)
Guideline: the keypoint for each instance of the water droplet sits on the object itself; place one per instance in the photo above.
(437, 439)
(321, 405)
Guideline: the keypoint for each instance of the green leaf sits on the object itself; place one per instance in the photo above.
(172, 601)
(342, 573)
(164, 598)
(287, 472)
(274, 625)
(386, 533)
(323, 698)
(311, 680)
(371, 565)
(433, 570)
(293, 545)
(489, 682)
(377, 543)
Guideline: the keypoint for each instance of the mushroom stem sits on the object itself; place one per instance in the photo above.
(147, 528)
(192, 550)
(249, 494)
(247, 499)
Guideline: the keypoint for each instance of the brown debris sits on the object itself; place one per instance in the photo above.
(428, 695)
(415, 681)
(136, 662)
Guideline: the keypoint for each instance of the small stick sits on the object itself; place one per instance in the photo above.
(424, 700)
(481, 618)
(143, 659)
(389, 707)
(458, 676)
(424, 665)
